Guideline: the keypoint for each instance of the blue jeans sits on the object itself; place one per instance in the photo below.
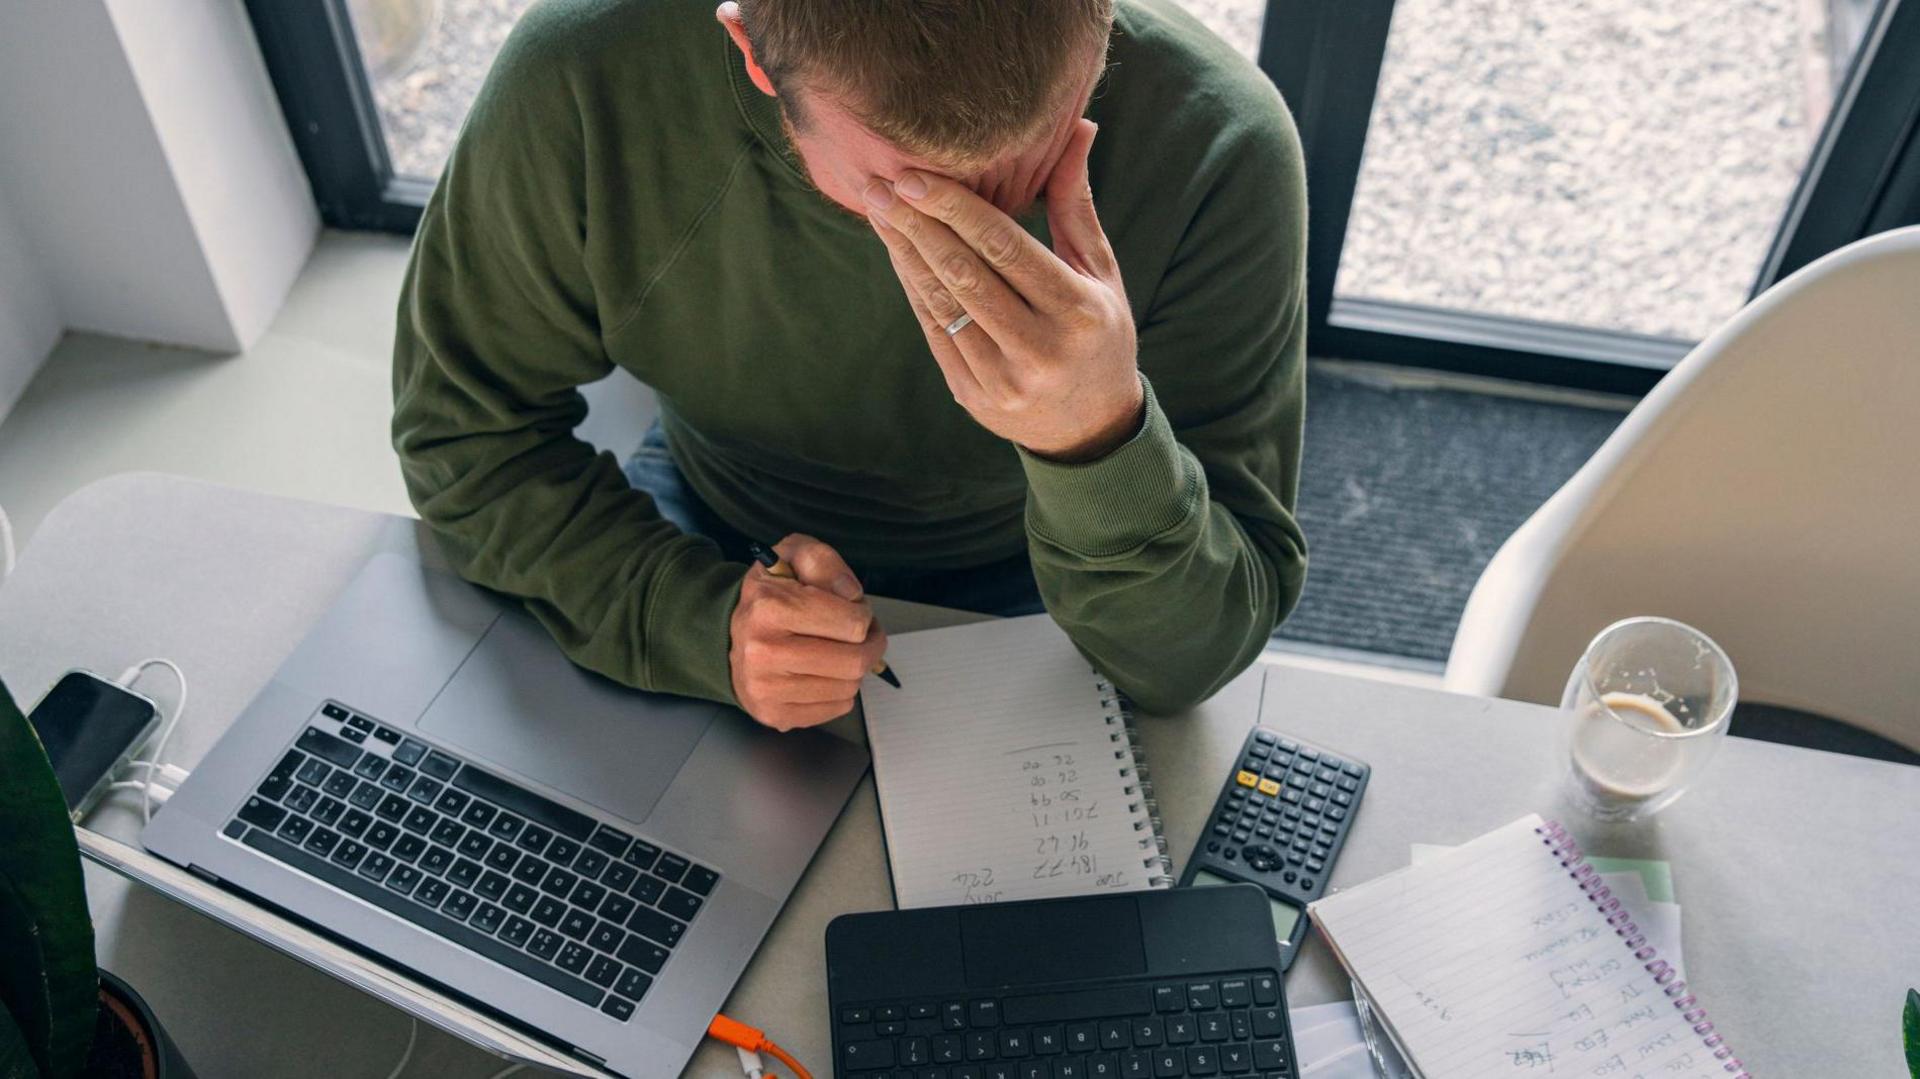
(1005, 587)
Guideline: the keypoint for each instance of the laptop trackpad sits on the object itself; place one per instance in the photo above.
(519, 703)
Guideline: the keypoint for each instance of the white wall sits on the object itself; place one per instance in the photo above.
(213, 105)
(84, 170)
(146, 160)
(30, 321)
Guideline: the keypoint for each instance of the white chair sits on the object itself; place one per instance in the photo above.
(1767, 491)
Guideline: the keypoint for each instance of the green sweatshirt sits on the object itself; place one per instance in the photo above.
(621, 194)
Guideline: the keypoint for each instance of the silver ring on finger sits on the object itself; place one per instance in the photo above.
(959, 324)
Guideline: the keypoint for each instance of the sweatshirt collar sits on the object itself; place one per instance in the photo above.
(760, 111)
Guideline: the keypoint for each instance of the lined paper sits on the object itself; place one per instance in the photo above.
(1002, 772)
(1489, 960)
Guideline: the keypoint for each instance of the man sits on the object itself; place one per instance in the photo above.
(854, 247)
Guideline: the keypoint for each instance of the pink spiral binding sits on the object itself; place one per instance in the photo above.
(1567, 850)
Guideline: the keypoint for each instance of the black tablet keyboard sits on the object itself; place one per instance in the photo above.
(1232, 1025)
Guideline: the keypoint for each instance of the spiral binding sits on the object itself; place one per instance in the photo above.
(1125, 736)
(1566, 850)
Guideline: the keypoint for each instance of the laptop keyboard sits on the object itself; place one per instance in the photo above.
(511, 875)
(1231, 1025)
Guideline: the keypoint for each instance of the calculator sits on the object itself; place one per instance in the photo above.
(1279, 823)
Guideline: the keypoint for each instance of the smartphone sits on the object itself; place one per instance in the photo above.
(90, 727)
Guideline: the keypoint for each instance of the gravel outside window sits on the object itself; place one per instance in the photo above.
(1606, 163)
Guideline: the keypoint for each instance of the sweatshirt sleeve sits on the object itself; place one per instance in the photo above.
(1171, 560)
(498, 328)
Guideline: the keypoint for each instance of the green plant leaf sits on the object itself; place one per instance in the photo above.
(16, 1060)
(53, 992)
(1911, 1022)
(23, 985)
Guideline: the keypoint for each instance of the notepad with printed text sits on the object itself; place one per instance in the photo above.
(1007, 769)
(1510, 956)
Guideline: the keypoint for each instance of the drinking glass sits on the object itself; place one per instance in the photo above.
(1646, 708)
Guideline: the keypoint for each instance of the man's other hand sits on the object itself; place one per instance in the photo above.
(1048, 361)
(802, 646)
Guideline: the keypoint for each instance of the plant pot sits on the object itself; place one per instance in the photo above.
(128, 1040)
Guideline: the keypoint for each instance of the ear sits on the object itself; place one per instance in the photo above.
(729, 16)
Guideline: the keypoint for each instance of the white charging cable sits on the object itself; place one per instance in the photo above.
(155, 770)
(7, 553)
(413, 1034)
(751, 1064)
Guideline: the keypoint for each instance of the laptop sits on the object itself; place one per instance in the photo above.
(429, 781)
(1143, 985)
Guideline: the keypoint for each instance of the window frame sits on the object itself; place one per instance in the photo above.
(1863, 176)
(314, 61)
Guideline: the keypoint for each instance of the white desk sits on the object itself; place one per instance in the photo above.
(1797, 869)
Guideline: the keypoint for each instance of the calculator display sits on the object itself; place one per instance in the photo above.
(1284, 916)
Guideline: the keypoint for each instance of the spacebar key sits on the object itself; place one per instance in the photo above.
(567, 822)
(1121, 1000)
(395, 904)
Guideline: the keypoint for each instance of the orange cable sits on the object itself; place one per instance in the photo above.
(742, 1036)
(786, 1058)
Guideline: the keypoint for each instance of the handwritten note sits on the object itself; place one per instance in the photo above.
(1488, 960)
(1002, 773)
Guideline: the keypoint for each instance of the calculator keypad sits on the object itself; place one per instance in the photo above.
(1284, 814)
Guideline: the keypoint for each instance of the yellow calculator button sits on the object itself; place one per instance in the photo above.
(1246, 779)
(1269, 787)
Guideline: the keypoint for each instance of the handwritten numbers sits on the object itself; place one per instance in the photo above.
(1536, 1055)
(977, 886)
(1055, 803)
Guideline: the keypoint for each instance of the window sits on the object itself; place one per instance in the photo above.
(1572, 192)
(424, 61)
(1578, 192)
(1608, 164)
(375, 92)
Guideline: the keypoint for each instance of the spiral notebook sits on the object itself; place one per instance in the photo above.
(1510, 954)
(1007, 769)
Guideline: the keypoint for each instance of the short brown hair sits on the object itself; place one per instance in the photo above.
(950, 80)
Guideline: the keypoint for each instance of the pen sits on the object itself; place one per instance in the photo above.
(776, 568)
